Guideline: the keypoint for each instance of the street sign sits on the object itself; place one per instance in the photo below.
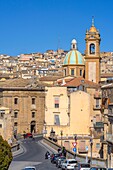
(74, 150)
(74, 143)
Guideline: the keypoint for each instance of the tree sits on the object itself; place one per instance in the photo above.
(5, 154)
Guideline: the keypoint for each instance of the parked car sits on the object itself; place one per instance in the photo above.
(59, 160)
(82, 166)
(69, 164)
(28, 135)
(29, 168)
(98, 168)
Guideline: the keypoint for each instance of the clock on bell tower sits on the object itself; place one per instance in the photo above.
(92, 54)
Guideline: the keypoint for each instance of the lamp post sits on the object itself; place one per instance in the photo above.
(61, 133)
(52, 133)
(45, 130)
(91, 145)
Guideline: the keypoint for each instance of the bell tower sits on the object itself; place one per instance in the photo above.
(92, 54)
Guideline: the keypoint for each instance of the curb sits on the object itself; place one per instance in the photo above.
(20, 151)
(47, 147)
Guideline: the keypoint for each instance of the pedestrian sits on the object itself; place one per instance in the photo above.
(89, 161)
(64, 151)
(59, 150)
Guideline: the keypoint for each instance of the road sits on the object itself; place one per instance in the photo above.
(34, 152)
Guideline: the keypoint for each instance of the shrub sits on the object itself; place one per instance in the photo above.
(5, 154)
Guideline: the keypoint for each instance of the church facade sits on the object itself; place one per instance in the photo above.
(88, 66)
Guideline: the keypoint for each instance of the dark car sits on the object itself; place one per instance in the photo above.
(59, 160)
(29, 168)
(98, 168)
(82, 166)
(54, 158)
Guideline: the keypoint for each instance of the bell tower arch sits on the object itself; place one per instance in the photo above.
(92, 54)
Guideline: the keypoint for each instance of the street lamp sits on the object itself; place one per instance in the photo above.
(52, 133)
(75, 137)
(91, 145)
(45, 129)
(61, 133)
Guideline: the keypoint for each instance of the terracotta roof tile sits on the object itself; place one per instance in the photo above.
(75, 82)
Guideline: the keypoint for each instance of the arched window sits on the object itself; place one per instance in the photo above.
(92, 48)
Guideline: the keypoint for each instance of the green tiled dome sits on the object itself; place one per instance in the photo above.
(74, 56)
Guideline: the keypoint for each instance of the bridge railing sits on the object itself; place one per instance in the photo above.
(15, 147)
(80, 158)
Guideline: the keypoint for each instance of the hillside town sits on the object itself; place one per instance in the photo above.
(64, 95)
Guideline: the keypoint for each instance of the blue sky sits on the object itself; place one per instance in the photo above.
(28, 26)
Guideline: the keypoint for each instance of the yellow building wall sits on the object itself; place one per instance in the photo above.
(78, 120)
(50, 110)
(79, 112)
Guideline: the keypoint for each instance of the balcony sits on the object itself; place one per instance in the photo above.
(98, 96)
(99, 125)
(110, 114)
(97, 107)
(109, 137)
(104, 96)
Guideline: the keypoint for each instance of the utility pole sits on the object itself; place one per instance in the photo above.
(75, 145)
(91, 145)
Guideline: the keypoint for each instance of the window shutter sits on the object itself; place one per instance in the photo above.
(56, 100)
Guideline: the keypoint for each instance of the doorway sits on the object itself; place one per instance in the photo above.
(33, 126)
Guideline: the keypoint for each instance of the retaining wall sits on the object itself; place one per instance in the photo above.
(80, 158)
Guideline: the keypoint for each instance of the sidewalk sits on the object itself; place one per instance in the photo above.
(47, 147)
(20, 151)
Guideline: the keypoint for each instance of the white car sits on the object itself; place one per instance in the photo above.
(69, 164)
(82, 166)
(29, 168)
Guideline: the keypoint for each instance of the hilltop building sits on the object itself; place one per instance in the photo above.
(73, 106)
(59, 92)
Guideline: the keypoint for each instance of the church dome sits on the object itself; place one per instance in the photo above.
(73, 41)
(74, 57)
